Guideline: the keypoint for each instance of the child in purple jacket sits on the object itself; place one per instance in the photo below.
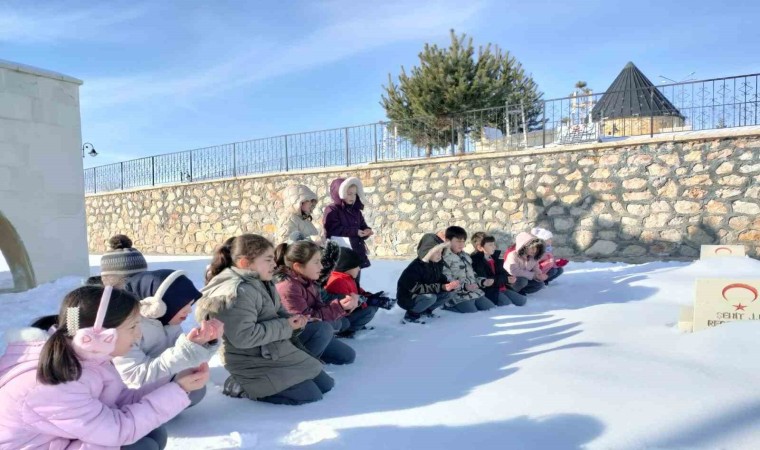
(344, 218)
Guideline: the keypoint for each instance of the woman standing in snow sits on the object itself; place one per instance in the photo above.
(344, 218)
(257, 348)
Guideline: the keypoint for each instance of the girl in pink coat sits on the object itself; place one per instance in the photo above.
(522, 263)
(63, 392)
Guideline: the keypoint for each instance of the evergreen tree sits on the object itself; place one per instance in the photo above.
(427, 105)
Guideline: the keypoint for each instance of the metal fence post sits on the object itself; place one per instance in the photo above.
(95, 179)
(453, 152)
(348, 155)
(122, 175)
(152, 170)
(543, 126)
(651, 118)
(287, 166)
(234, 160)
(374, 128)
(191, 167)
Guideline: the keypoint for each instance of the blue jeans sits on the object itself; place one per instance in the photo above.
(553, 273)
(429, 302)
(319, 339)
(356, 320)
(510, 297)
(526, 286)
(472, 306)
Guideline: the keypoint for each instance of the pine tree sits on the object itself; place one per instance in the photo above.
(426, 105)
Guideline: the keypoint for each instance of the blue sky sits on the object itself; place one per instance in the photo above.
(170, 76)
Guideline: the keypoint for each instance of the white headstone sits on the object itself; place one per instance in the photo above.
(720, 300)
(721, 251)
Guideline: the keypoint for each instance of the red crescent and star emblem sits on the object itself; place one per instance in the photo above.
(751, 289)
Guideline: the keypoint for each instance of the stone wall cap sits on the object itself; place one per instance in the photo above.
(18, 67)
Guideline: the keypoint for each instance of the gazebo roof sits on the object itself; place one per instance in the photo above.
(633, 95)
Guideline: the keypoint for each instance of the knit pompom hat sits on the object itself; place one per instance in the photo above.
(121, 259)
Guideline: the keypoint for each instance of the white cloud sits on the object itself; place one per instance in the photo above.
(348, 30)
(31, 23)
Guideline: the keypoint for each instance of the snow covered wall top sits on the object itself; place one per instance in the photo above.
(42, 218)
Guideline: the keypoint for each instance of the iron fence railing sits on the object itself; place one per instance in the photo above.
(699, 105)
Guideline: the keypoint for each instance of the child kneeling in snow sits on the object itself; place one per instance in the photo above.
(62, 391)
(522, 263)
(549, 266)
(167, 299)
(343, 281)
(457, 265)
(486, 264)
(422, 287)
(260, 348)
(299, 265)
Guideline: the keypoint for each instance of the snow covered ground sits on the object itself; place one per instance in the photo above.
(595, 361)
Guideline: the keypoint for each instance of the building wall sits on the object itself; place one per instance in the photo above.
(637, 126)
(41, 182)
(634, 200)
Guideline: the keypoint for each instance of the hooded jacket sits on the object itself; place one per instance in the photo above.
(301, 296)
(256, 347)
(422, 276)
(526, 267)
(343, 220)
(294, 221)
(95, 412)
(483, 269)
(163, 351)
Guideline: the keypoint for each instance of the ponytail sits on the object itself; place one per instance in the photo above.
(279, 254)
(249, 246)
(58, 361)
(222, 259)
(300, 252)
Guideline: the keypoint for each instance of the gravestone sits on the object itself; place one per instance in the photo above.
(720, 251)
(686, 319)
(720, 300)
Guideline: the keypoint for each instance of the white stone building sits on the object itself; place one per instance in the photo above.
(43, 233)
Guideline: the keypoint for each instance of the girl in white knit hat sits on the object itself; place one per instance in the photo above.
(548, 264)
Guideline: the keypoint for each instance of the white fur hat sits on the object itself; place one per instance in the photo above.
(542, 233)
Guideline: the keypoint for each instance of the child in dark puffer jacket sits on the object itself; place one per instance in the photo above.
(487, 264)
(422, 287)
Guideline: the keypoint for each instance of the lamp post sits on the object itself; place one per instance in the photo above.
(90, 149)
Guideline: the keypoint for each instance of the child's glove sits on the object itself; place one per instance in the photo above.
(381, 301)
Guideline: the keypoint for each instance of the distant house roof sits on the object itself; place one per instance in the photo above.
(633, 95)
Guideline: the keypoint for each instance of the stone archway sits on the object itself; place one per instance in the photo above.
(16, 256)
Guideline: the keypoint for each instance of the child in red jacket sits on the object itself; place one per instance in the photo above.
(548, 264)
(342, 281)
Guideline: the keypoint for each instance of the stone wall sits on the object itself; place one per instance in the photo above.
(637, 200)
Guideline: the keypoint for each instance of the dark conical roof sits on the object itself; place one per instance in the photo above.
(633, 95)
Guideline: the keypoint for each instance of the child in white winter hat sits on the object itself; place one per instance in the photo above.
(548, 265)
